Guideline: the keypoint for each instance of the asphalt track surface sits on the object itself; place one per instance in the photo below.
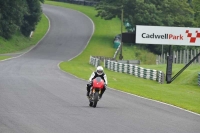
(37, 97)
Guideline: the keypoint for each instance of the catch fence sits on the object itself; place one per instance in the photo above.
(180, 57)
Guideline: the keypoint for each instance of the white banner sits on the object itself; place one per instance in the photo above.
(167, 35)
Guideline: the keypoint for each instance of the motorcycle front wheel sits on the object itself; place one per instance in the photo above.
(96, 98)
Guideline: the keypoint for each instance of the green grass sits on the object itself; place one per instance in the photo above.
(188, 77)
(18, 42)
(4, 57)
(183, 92)
(134, 52)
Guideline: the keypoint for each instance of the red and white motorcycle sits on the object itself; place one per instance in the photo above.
(97, 86)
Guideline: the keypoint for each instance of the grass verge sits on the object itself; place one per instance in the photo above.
(18, 42)
(4, 57)
(184, 92)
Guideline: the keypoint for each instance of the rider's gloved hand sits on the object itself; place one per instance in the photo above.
(105, 85)
(90, 82)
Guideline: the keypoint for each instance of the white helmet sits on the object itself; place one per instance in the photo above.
(99, 70)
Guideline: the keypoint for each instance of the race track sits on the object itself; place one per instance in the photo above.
(37, 97)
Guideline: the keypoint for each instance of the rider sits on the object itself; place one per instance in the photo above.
(99, 73)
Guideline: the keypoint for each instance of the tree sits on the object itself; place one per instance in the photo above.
(148, 12)
(11, 16)
(177, 13)
(19, 15)
(108, 9)
(32, 17)
(196, 6)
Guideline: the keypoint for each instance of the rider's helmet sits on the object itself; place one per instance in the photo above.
(99, 70)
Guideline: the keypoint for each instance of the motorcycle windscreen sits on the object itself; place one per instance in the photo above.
(98, 83)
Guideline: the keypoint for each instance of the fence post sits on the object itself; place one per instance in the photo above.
(104, 62)
(176, 57)
(159, 59)
(184, 57)
(187, 54)
(195, 54)
(163, 59)
(199, 56)
(199, 79)
(180, 57)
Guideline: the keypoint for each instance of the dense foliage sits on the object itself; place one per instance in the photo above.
(19, 15)
(152, 12)
(196, 8)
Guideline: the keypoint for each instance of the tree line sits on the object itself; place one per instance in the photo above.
(19, 16)
(153, 12)
(181, 13)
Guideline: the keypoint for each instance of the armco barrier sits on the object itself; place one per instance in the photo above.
(129, 69)
(135, 70)
(116, 52)
(94, 61)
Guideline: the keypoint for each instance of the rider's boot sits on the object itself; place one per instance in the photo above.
(87, 93)
(100, 95)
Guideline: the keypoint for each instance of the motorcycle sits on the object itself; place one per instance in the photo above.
(97, 86)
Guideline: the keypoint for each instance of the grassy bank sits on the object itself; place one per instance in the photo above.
(18, 42)
(183, 92)
(134, 52)
(4, 57)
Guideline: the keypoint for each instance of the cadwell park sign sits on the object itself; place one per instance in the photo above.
(167, 35)
(164, 35)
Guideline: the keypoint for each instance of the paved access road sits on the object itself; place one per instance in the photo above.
(37, 97)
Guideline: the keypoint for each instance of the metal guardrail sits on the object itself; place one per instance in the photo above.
(94, 61)
(135, 70)
(116, 52)
(128, 68)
